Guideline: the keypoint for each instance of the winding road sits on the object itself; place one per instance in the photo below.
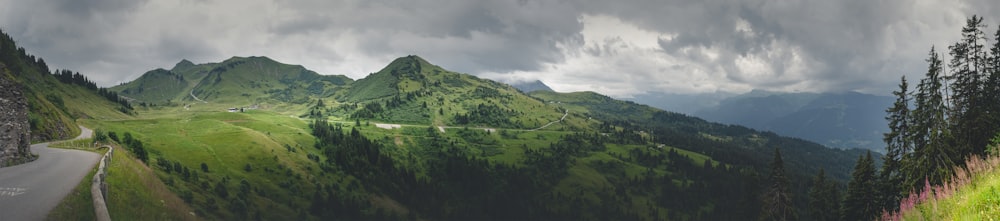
(29, 191)
(550, 123)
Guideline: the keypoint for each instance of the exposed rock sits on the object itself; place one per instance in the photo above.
(15, 131)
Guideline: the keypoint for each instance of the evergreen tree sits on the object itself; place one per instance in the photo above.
(968, 67)
(823, 198)
(932, 156)
(778, 199)
(991, 88)
(860, 201)
(897, 145)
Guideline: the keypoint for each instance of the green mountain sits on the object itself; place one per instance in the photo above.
(56, 99)
(236, 82)
(411, 90)
(728, 143)
(416, 141)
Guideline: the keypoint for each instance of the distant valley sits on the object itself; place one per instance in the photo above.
(838, 120)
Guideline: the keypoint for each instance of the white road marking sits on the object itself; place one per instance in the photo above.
(12, 191)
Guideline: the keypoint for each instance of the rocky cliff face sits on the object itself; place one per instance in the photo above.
(14, 128)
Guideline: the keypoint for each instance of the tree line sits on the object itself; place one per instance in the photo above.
(10, 52)
(449, 181)
(952, 114)
(69, 77)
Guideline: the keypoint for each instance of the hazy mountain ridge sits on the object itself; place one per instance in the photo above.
(839, 120)
(531, 86)
(682, 103)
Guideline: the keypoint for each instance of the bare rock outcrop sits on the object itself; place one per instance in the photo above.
(15, 131)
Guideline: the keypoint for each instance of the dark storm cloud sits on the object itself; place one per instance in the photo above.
(839, 41)
(632, 46)
(89, 8)
(496, 36)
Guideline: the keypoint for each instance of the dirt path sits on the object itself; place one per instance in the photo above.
(196, 98)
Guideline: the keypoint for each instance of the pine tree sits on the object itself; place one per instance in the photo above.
(932, 156)
(860, 201)
(968, 66)
(778, 199)
(991, 88)
(823, 198)
(897, 145)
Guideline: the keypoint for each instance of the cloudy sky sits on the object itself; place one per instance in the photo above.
(619, 48)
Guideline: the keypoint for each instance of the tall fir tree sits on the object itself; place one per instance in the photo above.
(778, 198)
(968, 66)
(932, 155)
(859, 204)
(823, 198)
(991, 88)
(897, 145)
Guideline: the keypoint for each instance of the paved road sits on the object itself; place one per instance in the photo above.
(550, 123)
(29, 191)
(442, 128)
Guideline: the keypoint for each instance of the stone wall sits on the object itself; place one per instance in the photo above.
(99, 187)
(15, 131)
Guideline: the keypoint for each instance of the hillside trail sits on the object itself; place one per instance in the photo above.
(196, 98)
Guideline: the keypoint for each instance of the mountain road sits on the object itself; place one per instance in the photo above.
(29, 191)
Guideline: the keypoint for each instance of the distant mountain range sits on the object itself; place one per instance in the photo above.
(422, 97)
(444, 146)
(243, 80)
(839, 120)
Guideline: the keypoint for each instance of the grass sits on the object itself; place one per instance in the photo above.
(275, 146)
(78, 205)
(135, 193)
(972, 194)
(283, 178)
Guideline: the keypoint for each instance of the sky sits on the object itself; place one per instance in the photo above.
(619, 48)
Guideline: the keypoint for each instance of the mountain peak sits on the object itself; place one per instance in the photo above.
(407, 62)
(183, 64)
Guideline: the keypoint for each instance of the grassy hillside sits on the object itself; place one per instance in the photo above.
(285, 170)
(740, 143)
(156, 86)
(412, 90)
(53, 104)
(732, 144)
(134, 190)
(415, 141)
(972, 194)
(266, 151)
